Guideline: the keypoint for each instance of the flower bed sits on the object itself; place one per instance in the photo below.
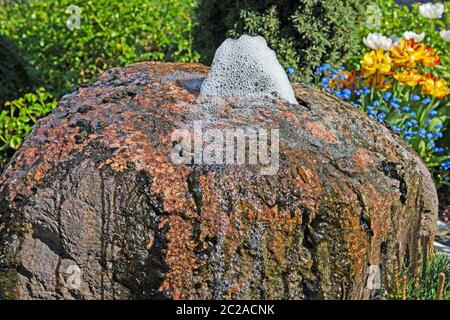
(403, 82)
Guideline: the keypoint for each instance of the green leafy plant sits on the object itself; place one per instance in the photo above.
(430, 280)
(111, 33)
(304, 34)
(17, 118)
(14, 80)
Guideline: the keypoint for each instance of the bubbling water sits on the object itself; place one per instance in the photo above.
(247, 68)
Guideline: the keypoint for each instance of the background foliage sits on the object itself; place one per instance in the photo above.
(304, 34)
(112, 33)
(422, 283)
(17, 118)
(14, 79)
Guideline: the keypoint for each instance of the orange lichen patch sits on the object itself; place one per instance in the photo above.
(117, 163)
(84, 92)
(159, 69)
(363, 159)
(213, 219)
(145, 99)
(283, 226)
(266, 214)
(355, 240)
(171, 90)
(28, 158)
(247, 210)
(233, 291)
(265, 112)
(379, 206)
(37, 174)
(44, 153)
(174, 107)
(291, 116)
(65, 136)
(306, 174)
(361, 162)
(180, 259)
(309, 185)
(162, 222)
(318, 130)
(170, 182)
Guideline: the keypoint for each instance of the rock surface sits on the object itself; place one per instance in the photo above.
(92, 192)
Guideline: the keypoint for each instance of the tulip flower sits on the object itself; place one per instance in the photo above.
(434, 86)
(377, 41)
(409, 77)
(445, 35)
(408, 35)
(432, 10)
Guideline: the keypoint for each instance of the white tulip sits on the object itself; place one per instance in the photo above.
(408, 35)
(431, 10)
(445, 35)
(377, 41)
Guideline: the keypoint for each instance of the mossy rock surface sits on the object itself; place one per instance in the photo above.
(93, 188)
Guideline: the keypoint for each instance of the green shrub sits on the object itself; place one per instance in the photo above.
(304, 34)
(14, 79)
(17, 118)
(421, 284)
(111, 33)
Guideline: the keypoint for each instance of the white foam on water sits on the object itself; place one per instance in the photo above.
(247, 68)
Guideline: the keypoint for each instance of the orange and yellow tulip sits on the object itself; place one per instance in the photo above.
(437, 87)
(409, 77)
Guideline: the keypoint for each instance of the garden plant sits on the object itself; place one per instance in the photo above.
(402, 81)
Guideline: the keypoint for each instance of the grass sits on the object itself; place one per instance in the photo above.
(429, 280)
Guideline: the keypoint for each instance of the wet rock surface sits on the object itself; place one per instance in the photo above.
(92, 192)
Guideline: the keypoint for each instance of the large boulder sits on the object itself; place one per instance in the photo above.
(93, 206)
